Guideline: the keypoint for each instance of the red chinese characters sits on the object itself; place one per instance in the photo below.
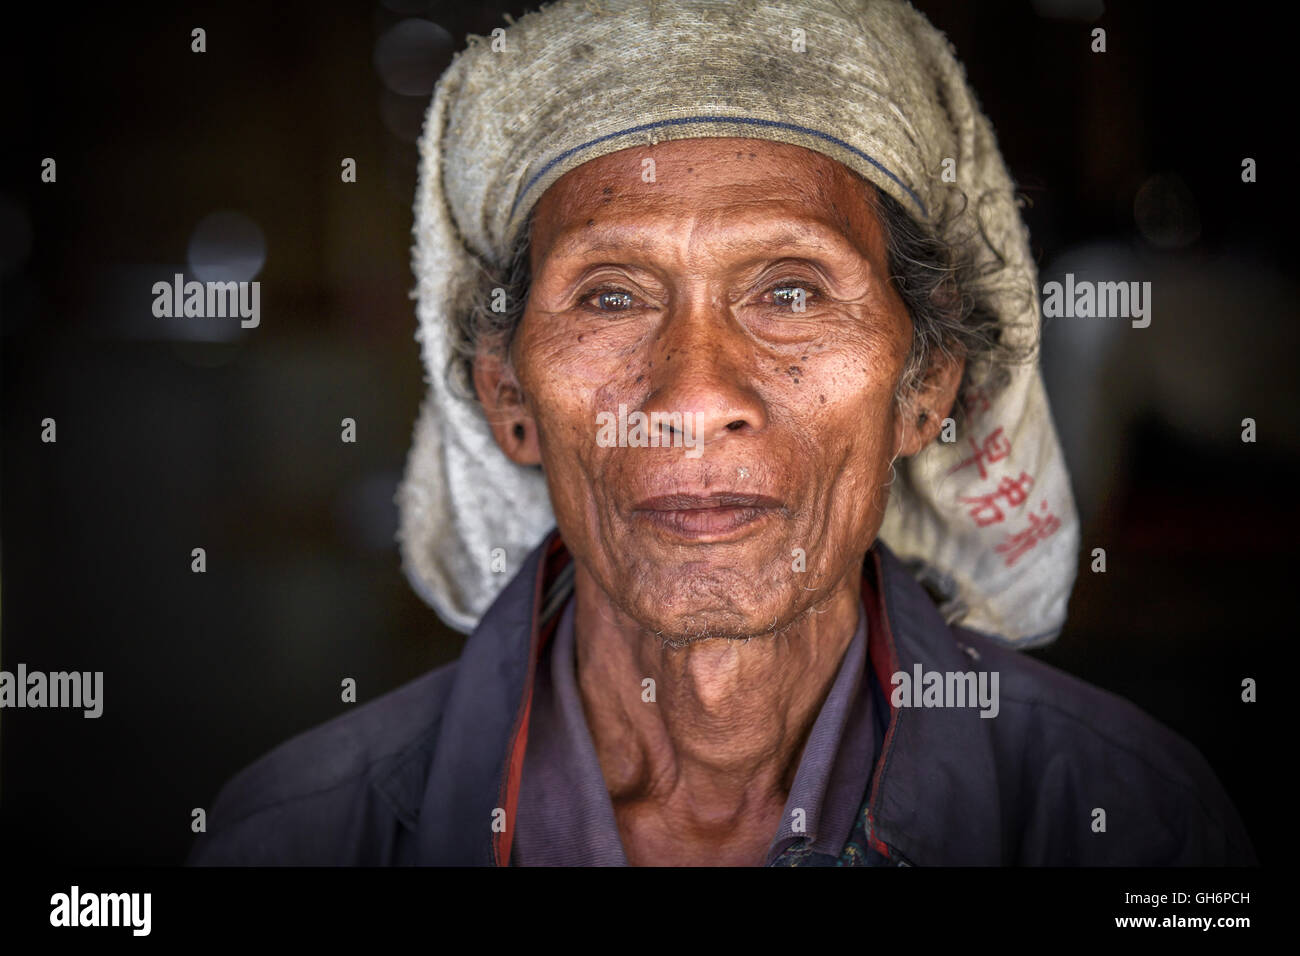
(992, 507)
(995, 447)
(1013, 491)
(1040, 528)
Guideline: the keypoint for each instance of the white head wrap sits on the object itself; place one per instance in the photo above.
(869, 83)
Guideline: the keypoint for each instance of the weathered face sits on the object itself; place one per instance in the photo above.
(745, 289)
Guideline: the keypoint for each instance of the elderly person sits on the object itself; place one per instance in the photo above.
(737, 463)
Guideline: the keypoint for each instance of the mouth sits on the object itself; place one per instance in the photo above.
(718, 517)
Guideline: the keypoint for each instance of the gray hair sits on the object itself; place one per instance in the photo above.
(943, 289)
(947, 292)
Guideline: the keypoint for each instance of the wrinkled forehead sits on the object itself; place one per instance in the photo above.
(749, 160)
(737, 189)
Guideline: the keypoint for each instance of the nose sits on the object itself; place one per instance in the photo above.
(703, 364)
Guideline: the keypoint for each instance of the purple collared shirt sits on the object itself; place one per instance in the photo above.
(565, 817)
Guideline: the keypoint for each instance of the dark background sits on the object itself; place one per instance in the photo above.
(1130, 159)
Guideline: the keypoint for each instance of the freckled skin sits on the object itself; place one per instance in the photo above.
(660, 296)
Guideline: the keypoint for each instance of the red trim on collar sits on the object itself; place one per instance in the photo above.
(880, 644)
(884, 659)
(556, 557)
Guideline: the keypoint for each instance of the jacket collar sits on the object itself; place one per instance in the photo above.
(933, 794)
(929, 801)
(468, 811)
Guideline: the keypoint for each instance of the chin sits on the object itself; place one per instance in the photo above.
(707, 628)
(724, 607)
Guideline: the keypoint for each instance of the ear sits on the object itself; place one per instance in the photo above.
(920, 416)
(508, 416)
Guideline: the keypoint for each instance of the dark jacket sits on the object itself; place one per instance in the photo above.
(418, 775)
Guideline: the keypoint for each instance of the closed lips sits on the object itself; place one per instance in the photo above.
(713, 516)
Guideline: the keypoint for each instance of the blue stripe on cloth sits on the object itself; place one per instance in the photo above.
(743, 120)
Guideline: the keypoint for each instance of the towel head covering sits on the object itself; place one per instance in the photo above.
(869, 83)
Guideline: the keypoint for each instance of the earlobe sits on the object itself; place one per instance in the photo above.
(519, 442)
(916, 428)
(920, 428)
(507, 415)
(525, 447)
(921, 419)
